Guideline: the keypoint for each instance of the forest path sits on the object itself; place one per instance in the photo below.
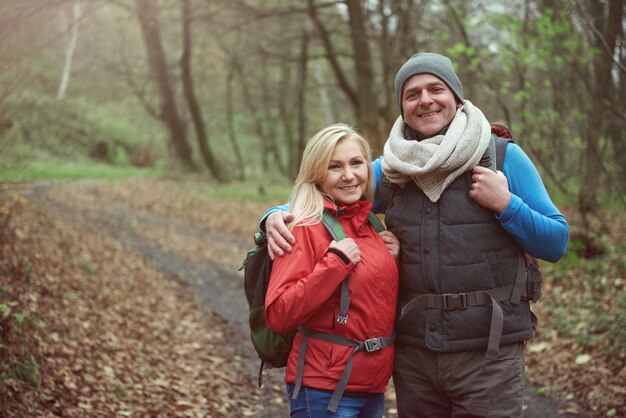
(200, 243)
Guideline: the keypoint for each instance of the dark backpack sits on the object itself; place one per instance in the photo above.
(494, 157)
(272, 347)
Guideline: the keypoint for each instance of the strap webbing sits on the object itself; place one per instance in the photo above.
(386, 191)
(336, 231)
(520, 281)
(370, 345)
(465, 300)
(451, 301)
(495, 330)
(492, 163)
(376, 223)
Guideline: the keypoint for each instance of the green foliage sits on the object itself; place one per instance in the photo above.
(27, 371)
(45, 133)
(271, 193)
(40, 170)
(590, 300)
(16, 326)
(20, 318)
(543, 391)
(91, 269)
(26, 267)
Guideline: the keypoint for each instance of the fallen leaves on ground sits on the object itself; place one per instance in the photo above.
(97, 330)
(109, 334)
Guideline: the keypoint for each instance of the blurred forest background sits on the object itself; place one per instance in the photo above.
(234, 88)
(230, 91)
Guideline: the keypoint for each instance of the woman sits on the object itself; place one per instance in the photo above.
(305, 285)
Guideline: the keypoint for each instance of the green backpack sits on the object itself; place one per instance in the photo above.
(272, 347)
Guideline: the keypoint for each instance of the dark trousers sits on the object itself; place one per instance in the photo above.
(430, 384)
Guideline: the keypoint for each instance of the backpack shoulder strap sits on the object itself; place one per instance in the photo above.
(386, 191)
(333, 226)
(490, 157)
(500, 147)
(336, 231)
(376, 223)
(493, 158)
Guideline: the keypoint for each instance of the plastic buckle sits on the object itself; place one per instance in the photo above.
(373, 344)
(452, 301)
(342, 319)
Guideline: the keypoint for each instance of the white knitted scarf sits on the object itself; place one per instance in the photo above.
(433, 163)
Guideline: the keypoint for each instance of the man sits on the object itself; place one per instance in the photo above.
(463, 230)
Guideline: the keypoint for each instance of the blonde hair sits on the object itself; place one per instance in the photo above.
(306, 200)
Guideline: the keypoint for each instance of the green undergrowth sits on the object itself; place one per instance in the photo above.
(42, 170)
(588, 299)
(19, 329)
(41, 136)
(272, 193)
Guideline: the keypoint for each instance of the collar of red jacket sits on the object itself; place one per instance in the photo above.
(356, 212)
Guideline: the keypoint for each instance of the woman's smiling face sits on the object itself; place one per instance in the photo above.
(347, 173)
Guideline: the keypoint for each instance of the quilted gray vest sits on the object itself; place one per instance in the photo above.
(457, 262)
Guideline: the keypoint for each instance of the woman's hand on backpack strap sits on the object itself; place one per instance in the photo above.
(279, 237)
(349, 248)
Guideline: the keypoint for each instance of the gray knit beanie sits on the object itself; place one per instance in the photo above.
(428, 62)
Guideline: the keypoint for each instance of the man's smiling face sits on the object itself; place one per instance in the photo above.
(428, 104)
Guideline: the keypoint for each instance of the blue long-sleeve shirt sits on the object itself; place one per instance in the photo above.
(531, 217)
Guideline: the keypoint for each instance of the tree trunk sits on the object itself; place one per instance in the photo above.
(368, 108)
(258, 116)
(190, 95)
(148, 20)
(365, 101)
(606, 37)
(341, 77)
(618, 126)
(489, 82)
(287, 119)
(301, 100)
(70, 48)
(397, 43)
(322, 91)
(230, 117)
(272, 136)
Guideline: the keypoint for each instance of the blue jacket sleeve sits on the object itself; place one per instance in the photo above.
(531, 217)
(377, 174)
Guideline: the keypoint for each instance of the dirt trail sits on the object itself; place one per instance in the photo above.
(183, 240)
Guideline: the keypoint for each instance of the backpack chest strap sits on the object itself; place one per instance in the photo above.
(452, 301)
(369, 345)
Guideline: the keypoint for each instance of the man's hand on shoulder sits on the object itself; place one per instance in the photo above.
(279, 237)
(392, 242)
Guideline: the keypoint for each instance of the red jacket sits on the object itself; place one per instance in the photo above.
(304, 289)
